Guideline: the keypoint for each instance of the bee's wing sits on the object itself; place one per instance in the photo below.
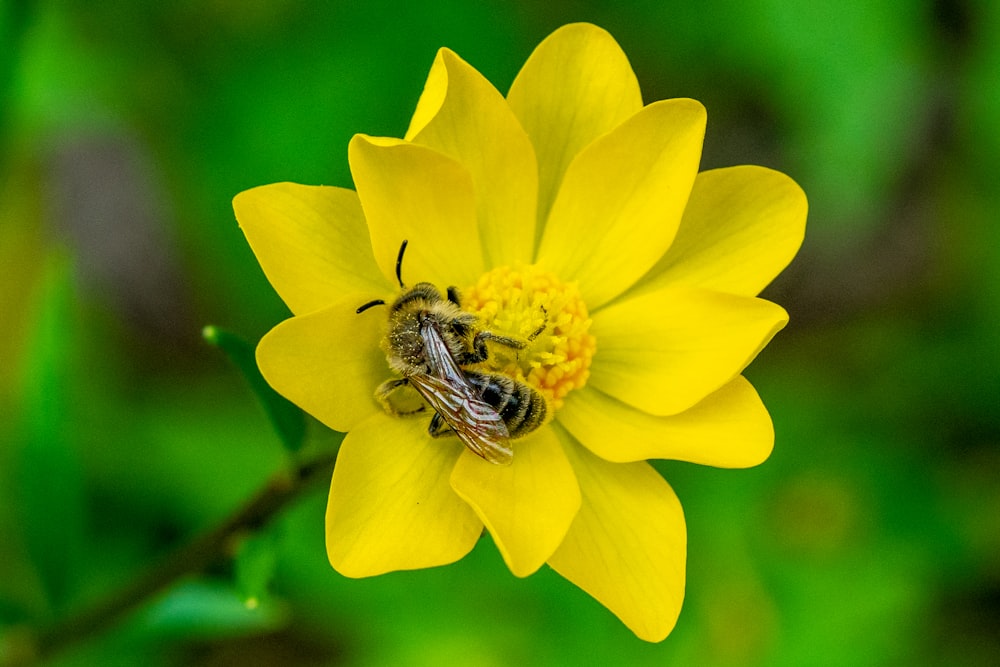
(475, 422)
(445, 387)
(439, 360)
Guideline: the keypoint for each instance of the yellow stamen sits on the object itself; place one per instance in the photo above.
(532, 305)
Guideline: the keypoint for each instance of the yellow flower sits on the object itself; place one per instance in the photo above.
(567, 207)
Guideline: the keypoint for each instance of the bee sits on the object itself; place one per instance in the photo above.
(428, 342)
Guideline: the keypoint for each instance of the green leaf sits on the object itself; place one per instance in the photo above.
(207, 609)
(255, 564)
(288, 420)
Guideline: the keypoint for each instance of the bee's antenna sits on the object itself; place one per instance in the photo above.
(364, 307)
(399, 263)
(399, 277)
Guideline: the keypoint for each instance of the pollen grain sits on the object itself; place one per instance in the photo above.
(531, 304)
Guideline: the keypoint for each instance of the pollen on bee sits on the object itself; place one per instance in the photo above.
(531, 304)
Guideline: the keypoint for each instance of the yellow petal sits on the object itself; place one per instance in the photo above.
(432, 97)
(328, 362)
(730, 428)
(412, 192)
(390, 506)
(528, 505)
(462, 115)
(576, 86)
(622, 199)
(665, 351)
(311, 241)
(627, 545)
(741, 227)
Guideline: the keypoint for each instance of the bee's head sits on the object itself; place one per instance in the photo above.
(421, 295)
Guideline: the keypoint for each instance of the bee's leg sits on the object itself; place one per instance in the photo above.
(454, 296)
(387, 389)
(439, 427)
(545, 322)
(480, 352)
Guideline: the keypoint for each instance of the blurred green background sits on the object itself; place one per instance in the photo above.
(871, 536)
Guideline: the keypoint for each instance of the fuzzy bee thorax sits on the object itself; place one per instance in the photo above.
(409, 313)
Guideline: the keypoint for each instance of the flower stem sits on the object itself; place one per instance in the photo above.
(26, 645)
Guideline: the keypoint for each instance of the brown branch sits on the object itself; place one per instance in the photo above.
(25, 645)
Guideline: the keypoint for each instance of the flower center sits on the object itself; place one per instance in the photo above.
(531, 304)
